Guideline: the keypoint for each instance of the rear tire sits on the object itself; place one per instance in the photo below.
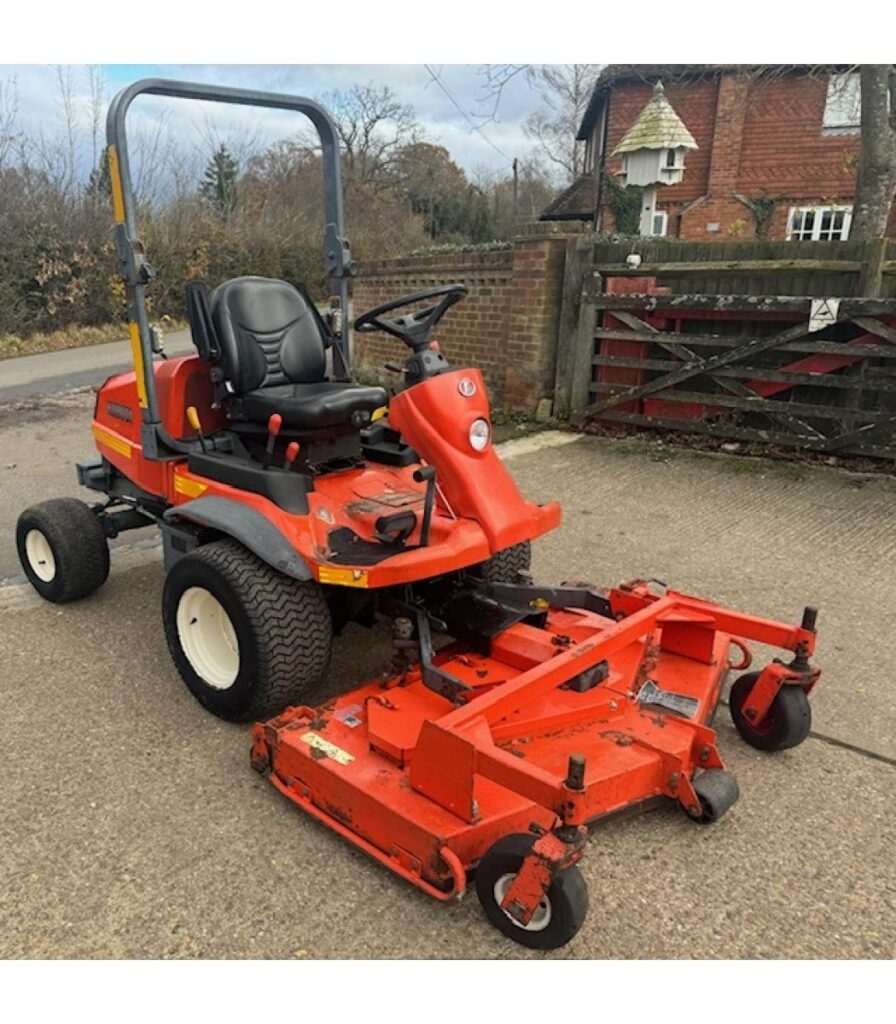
(506, 565)
(247, 640)
(63, 549)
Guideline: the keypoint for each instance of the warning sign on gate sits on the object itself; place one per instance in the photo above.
(823, 313)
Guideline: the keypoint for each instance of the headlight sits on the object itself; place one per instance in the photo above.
(480, 435)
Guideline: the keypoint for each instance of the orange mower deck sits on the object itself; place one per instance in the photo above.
(560, 726)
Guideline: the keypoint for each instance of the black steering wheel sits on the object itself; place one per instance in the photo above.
(414, 328)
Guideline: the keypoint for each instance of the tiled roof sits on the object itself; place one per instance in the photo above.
(574, 203)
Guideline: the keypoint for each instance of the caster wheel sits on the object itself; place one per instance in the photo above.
(560, 914)
(786, 724)
(717, 791)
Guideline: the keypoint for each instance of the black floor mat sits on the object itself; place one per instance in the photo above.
(347, 548)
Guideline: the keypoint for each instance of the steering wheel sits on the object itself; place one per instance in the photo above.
(415, 328)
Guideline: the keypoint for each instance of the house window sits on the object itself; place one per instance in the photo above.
(819, 223)
(843, 106)
(660, 222)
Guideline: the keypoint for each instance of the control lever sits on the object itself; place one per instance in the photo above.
(193, 420)
(427, 473)
(292, 453)
(274, 425)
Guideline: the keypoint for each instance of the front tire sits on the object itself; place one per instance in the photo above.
(63, 549)
(506, 565)
(247, 640)
(559, 916)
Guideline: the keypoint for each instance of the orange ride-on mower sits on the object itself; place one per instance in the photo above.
(288, 505)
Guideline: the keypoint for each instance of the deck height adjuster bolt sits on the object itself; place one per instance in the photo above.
(575, 772)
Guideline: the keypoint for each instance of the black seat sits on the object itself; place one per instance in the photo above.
(271, 346)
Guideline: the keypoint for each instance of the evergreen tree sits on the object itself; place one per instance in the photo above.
(218, 185)
(99, 186)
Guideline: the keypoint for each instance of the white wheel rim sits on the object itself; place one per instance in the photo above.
(208, 638)
(40, 556)
(540, 919)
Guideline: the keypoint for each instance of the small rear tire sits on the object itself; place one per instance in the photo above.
(786, 723)
(247, 640)
(506, 565)
(559, 916)
(63, 549)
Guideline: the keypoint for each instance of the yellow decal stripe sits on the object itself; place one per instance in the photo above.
(192, 488)
(314, 739)
(113, 441)
(139, 368)
(342, 577)
(115, 181)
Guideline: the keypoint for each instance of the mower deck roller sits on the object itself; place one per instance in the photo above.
(570, 716)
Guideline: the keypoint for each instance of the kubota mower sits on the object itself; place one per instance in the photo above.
(289, 505)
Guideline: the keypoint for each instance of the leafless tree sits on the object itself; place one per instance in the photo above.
(565, 90)
(373, 126)
(9, 110)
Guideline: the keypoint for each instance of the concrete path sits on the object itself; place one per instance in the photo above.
(53, 372)
(131, 824)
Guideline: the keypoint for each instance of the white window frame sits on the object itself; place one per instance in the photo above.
(665, 221)
(843, 105)
(794, 234)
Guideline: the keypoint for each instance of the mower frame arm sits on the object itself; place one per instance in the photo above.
(137, 272)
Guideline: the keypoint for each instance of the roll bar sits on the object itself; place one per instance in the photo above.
(137, 272)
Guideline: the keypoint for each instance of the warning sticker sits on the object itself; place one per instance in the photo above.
(315, 740)
(823, 313)
(680, 703)
(349, 716)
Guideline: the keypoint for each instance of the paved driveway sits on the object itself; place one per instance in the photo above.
(131, 824)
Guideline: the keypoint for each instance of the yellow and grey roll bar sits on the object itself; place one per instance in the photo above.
(137, 272)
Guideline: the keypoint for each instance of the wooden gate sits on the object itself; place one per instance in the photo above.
(737, 368)
(781, 369)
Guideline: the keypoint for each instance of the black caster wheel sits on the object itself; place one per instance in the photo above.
(561, 912)
(717, 792)
(786, 724)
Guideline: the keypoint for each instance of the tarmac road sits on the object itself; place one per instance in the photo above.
(132, 826)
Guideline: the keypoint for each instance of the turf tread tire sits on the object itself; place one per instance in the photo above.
(506, 565)
(79, 545)
(283, 627)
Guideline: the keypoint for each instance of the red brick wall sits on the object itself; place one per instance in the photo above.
(473, 333)
(507, 324)
(784, 149)
(756, 136)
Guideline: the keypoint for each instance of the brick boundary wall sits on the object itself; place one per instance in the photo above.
(506, 326)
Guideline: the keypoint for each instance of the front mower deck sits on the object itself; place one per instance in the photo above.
(558, 724)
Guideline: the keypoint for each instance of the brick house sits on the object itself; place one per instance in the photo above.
(776, 157)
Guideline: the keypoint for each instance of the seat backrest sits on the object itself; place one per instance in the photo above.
(268, 334)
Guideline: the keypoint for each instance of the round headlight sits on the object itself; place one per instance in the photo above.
(480, 435)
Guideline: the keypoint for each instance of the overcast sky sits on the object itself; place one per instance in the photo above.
(39, 105)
